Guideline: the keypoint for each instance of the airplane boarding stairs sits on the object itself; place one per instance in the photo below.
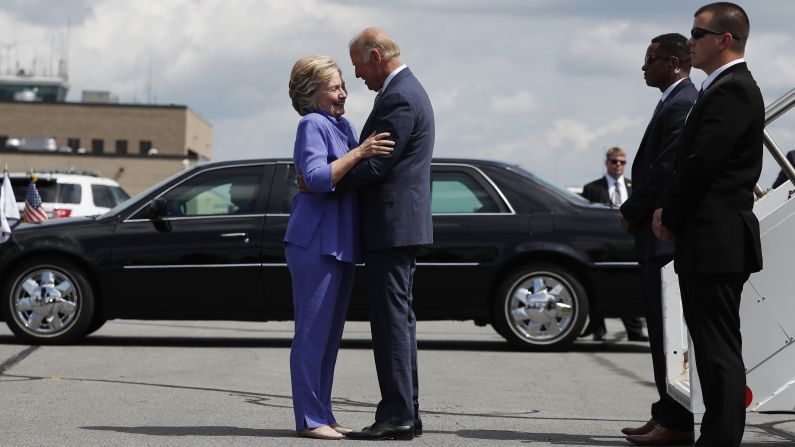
(767, 308)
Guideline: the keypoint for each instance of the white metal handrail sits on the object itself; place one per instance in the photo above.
(772, 112)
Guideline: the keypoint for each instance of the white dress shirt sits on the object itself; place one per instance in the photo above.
(707, 82)
(391, 75)
(612, 184)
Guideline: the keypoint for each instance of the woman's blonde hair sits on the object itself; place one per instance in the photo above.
(307, 78)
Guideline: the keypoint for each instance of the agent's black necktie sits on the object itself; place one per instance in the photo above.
(659, 106)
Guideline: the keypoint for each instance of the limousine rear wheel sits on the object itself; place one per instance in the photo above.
(48, 301)
(540, 306)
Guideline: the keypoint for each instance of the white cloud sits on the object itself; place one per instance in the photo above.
(612, 48)
(445, 99)
(581, 136)
(520, 102)
(546, 84)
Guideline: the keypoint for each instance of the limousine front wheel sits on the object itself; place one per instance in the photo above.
(48, 301)
(540, 306)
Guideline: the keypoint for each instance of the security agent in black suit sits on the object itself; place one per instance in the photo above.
(708, 210)
(666, 67)
(612, 189)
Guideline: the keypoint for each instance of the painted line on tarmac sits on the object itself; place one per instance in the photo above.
(771, 429)
(8, 364)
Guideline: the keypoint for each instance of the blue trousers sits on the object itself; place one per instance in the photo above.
(321, 293)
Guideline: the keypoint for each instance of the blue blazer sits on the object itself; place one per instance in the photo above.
(320, 140)
(653, 168)
(395, 191)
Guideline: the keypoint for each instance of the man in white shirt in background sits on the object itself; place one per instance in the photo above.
(611, 189)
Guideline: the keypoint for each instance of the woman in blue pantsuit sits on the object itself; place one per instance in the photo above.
(322, 239)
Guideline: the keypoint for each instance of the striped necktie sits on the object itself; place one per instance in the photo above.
(616, 199)
(377, 97)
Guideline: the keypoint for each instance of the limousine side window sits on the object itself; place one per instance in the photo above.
(217, 192)
(459, 193)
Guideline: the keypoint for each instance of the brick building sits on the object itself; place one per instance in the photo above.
(134, 143)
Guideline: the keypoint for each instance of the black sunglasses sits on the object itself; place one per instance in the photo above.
(618, 162)
(651, 58)
(697, 33)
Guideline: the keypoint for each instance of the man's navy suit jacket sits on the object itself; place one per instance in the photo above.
(653, 167)
(395, 191)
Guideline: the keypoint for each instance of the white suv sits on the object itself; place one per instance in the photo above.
(70, 194)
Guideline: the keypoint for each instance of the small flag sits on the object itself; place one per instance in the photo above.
(9, 214)
(33, 210)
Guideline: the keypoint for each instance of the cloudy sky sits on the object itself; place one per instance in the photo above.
(547, 84)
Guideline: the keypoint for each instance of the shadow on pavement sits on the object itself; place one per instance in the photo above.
(211, 430)
(250, 342)
(549, 438)
(569, 439)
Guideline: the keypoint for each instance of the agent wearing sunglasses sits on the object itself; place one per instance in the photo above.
(707, 210)
(611, 189)
(666, 67)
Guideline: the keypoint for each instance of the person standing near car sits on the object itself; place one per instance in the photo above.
(782, 177)
(707, 209)
(322, 242)
(611, 189)
(395, 199)
(666, 67)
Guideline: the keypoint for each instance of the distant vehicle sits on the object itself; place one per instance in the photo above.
(70, 194)
(575, 189)
(510, 250)
(32, 144)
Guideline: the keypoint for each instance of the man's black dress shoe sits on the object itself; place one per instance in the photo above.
(417, 428)
(633, 336)
(598, 336)
(384, 430)
(597, 329)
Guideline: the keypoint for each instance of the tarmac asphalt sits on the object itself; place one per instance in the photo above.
(189, 383)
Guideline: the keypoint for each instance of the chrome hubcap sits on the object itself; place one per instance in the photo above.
(45, 301)
(541, 307)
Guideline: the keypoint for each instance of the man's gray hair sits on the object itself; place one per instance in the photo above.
(374, 38)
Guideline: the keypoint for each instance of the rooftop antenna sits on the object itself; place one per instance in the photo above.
(149, 80)
(63, 64)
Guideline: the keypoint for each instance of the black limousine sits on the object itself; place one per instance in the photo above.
(510, 250)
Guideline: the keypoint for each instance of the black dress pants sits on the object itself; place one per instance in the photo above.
(711, 304)
(666, 411)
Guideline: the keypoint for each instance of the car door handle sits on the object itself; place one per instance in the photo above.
(236, 235)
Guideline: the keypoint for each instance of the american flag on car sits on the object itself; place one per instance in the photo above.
(33, 210)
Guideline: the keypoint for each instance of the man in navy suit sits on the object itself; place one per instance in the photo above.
(665, 67)
(707, 209)
(395, 210)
